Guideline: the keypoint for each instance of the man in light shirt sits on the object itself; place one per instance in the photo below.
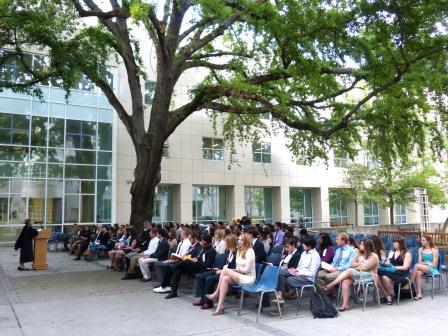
(167, 266)
(133, 262)
(342, 260)
(306, 271)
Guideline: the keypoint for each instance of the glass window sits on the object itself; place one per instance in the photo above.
(400, 214)
(104, 136)
(301, 206)
(54, 201)
(166, 149)
(14, 129)
(36, 201)
(14, 153)
(104, 202)
(104, 173)
(209, 203)
(39, 131)
(261, 152)
(80, 156)
(87, 208)
(80, 134)
(340, 158)
(212, 149)
(55, 171)
(258, 203)
(338, 207)
(13, 169)
(79, 171)
(71, 209)
(104, 158)
(163, 204)
(57, 155)
(4, 203)
(371, 213)
(38, 170)
(56, 131)
(38, 154)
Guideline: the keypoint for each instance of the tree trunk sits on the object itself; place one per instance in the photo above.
(391, 214)
(356, 214)
(146, 178)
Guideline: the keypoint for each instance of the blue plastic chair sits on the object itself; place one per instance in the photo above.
(258, 271)
(276, 249)
(439, 276)
(410, 241)
(274, 259)
(267, 284)
(299, 297)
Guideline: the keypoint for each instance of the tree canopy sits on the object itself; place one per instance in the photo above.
(329, 73)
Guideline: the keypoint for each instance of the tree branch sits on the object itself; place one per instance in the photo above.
(97, 12)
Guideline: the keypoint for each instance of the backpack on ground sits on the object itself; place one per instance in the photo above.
(321, 306)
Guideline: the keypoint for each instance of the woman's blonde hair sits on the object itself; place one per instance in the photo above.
(220, 234)
(231, 242)
(246, 244)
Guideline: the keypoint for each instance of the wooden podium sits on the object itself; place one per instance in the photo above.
(40, 249)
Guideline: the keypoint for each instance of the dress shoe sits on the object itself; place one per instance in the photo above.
(171, 295)
(145, 280)
(207, 305)
(198, 303)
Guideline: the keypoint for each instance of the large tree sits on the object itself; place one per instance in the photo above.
(329, 73)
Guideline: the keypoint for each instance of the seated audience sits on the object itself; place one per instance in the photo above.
(134, 260)
(394, 270)
(81, 245)
(305, 272)
(342, 260)
(278, 234)
(325, 248)
(428, 262)
(116, 255)
(379, 248)
(258, 247)
(219, 244)
(244, 274)
(206, 281)
(199, 262)
(100, 243)
(164, 269)
(364, 269)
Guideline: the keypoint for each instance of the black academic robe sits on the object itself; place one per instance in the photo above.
(25, 244)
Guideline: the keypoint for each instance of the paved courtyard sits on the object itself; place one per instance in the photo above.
(80, 298)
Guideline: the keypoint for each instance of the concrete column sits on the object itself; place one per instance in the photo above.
(237, 202)
(321, 206)
(183, 203)
(281, 204)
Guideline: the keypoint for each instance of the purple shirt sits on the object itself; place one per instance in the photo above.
(278, 237)
(327, 254)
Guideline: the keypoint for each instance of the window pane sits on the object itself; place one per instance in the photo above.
(78, 171)
(36, 201)
(104, 172)
(266, 158)
(13, 153)
(78, 156)
(39, 131)
(20, 129)
(71, 209)
(72, 187)
(87, 187)
(38, 170)
(56, 132)
(207, 154)
(56, 155)
(105, 136)
(13, 169)
(206, 143)
(257, 157)
(105, 158)
(80, 134)
(104, 202)
(4, 200)
(54, 201)
(218, 154)
(38, 154)
(55, 171)
(87, 208)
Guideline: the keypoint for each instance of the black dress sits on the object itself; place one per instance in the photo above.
(25, 243)
(397, 276)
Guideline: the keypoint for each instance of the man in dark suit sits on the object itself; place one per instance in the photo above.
(198, 263)
(193, 252)
(257, 245)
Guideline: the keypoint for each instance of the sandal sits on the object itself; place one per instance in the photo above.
(218, 312)
(416, 298)
(340, 309)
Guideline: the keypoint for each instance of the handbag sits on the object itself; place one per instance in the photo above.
(390, 268)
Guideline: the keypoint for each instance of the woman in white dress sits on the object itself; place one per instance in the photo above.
(243, 274)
